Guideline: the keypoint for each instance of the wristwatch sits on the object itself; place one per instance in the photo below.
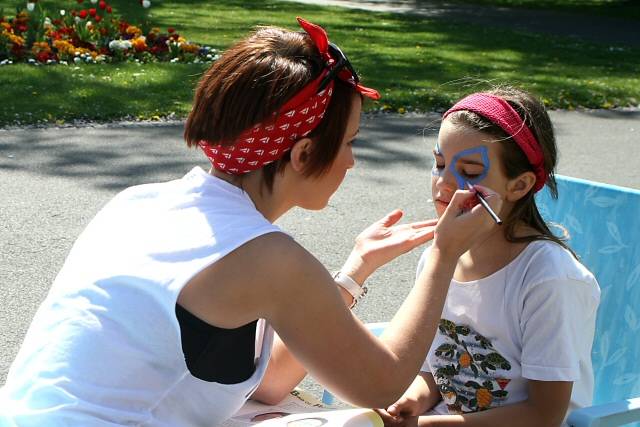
(351, 286)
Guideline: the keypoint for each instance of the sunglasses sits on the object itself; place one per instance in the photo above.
(342, 64)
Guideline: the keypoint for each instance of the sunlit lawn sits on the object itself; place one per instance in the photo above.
(417, 64)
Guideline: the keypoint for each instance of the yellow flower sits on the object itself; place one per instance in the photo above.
(40, 47)
(188, 47)
(17, 40)
(133, 30)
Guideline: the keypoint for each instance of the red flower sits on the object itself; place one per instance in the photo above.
(93, 12)
(73, 13)
(171, 30)
(109, 9)
(80, 1)
(83, 13)
(102, 5)
(98, 18)
(42, 56)
(22, 28)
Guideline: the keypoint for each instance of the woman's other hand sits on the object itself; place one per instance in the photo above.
(383, 241)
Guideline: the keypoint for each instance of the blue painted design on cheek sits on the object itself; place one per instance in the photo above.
(462, 180)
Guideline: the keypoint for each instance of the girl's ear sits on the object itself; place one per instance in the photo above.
(519, 186)
(300, 154)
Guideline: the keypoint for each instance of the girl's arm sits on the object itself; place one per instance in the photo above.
(546, 407)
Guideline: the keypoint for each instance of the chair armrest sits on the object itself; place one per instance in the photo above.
(606, 415)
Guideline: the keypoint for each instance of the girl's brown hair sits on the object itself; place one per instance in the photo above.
(535, 116)
(252, 80)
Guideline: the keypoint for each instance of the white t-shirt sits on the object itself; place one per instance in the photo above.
(104, 348)
(534, 319)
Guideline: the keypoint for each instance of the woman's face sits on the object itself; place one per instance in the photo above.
(462, 156)
(326, 185)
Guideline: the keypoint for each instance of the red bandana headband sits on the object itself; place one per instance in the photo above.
(499, 112)
(268, 141)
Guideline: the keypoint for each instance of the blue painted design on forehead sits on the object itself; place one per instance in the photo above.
(461, 180)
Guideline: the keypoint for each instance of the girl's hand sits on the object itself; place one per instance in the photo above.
(396, 421)
(464, 224)
(383, 241)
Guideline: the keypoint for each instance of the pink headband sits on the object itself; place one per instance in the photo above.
(268, 141)
(501, 113)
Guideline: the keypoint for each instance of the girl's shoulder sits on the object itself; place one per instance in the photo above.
(545, 260)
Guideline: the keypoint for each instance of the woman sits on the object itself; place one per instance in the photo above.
(163, 314)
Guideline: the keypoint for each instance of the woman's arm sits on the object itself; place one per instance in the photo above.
(375, 246)
(274, 278)
(546, 406)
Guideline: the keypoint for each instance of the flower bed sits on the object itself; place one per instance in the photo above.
(90, 35)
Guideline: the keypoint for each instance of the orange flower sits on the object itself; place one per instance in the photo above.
(133, 30)
(139, 44)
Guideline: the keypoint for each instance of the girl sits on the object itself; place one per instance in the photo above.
(164, 311)
(513, 345)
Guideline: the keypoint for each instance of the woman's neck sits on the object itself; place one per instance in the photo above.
(271, 204)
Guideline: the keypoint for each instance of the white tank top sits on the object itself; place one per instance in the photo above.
(104, 348)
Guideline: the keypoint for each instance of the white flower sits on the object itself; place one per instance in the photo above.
(94, 1)
(47, 21)
(119, 44)
(146, 4)
(31, 6)
(88, 24)
(62, 12)
(77, 60)
(77, 19)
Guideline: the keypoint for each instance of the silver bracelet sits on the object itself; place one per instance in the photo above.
(351, 286)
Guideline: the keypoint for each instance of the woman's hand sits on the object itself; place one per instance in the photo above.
(383, 241)
(464, 223)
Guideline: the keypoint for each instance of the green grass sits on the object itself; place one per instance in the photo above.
(628, 9)
(416, 64)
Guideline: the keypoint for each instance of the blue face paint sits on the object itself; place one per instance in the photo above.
(434, 170)
(462, 180)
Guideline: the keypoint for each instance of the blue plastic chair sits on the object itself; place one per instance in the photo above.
(603, 223)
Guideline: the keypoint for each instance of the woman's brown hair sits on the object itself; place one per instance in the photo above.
(535, 116)
(251, 81)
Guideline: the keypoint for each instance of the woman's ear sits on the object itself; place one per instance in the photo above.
(300, 154)
(519, 186)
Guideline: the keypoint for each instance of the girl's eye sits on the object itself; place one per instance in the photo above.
(470, 175)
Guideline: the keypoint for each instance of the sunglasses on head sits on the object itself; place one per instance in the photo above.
(341, 65)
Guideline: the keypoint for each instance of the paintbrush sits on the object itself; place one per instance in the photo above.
(484, 204)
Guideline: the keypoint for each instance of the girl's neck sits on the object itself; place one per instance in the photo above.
(491, 255)
(271, 204)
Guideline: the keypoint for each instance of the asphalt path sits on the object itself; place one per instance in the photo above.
(54, 180)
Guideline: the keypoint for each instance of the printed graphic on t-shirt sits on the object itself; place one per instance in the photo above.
(468, 370)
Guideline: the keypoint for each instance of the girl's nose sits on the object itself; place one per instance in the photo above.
(446, 181)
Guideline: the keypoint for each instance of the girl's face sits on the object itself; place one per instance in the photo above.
(462, 156)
